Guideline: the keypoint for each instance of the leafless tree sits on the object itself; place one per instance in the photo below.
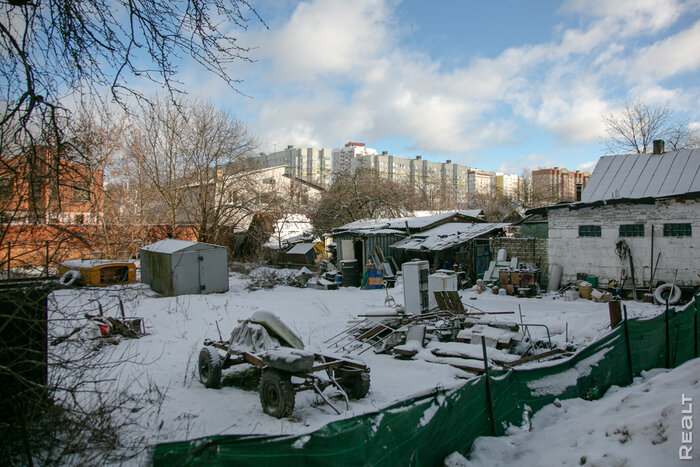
(364, 194)
(638, 124)
(60, 55)
(194, 161)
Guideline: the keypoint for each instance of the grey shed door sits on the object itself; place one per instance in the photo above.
(213, 271)
(186, 273)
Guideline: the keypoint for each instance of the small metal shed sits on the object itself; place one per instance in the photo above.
(178, 267)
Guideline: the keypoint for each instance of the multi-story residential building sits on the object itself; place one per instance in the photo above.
(341, 158)
(507, 184)
(454, 183)
(556, 185)
(480, 182)
(311, 164)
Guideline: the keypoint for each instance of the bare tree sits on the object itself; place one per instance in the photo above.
(221, 190)
(636, 127)
(194, 161)
(364, 194)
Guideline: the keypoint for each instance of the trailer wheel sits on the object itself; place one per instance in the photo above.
(276, 393)
(356, 385)
(210, 367)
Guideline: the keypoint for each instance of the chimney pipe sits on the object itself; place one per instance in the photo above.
(658, 146)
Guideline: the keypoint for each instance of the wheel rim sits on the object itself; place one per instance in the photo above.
(204, 370)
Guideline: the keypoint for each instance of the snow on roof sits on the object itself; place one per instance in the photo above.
(401, 222)
(446, 236)
(169, 245)
(290, 228)
(644, 176)
(301, 248)
(172, 245)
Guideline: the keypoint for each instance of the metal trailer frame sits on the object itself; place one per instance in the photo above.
(278, 389)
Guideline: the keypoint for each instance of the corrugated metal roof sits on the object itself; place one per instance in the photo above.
(400, 223)
(637, 176)
(446, 236)
(172, 245)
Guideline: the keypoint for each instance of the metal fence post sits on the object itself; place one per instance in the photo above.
(695, 325)
(46, 266)
(489, 398)
(628, 346)
(668, 337)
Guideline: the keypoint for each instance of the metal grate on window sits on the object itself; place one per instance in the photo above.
(589, 231)
(678, 230)
(632, 230)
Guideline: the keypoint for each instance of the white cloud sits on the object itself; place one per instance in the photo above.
(328, 36)
(672, 56)
(630, 16)
(347, 74)
(528, 163)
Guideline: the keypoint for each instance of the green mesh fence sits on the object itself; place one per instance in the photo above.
(424, 430)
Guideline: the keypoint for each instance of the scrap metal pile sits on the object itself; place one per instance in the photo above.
(452, 335)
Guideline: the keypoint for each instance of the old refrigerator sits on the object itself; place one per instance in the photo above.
(415, 286)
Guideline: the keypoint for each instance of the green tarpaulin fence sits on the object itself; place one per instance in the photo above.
(424, 430)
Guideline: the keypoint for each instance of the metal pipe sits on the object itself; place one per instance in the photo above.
(549, 338)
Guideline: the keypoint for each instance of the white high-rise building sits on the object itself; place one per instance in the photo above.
(342, 157)
(310, 164)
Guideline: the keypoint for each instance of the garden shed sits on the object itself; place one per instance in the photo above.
(178, 267)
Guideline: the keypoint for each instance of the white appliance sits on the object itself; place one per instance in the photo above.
(440, 281)
(415, 286)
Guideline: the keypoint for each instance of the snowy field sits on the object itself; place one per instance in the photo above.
(164, 400)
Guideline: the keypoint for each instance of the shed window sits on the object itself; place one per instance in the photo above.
(589, 231)
(632, 230)
(678, 230)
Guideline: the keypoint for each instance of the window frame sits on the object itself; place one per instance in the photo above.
(590, 231)
(678, 229)
(631, 230)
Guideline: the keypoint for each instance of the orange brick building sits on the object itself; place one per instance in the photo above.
(556, 185)
(43, 187)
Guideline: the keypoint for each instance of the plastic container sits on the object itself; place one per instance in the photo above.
(593, 280)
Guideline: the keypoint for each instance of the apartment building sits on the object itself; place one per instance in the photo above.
(556, 184)
(341, 158)
(507, 184)
(310, 164)
(454, 181)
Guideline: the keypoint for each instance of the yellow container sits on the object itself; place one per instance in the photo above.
(98, 272)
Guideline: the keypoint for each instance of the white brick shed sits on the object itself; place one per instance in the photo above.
(649, 201)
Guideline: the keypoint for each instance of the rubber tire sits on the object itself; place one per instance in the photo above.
(276, 393)
(210, 367)
(356, 385)
(674, 298)
(70, 277)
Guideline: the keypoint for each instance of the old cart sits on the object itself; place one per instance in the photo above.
(266, 342)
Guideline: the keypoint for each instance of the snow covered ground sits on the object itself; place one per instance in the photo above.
(168, 403)
(639, 425)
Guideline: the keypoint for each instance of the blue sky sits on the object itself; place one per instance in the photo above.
(500, 86)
